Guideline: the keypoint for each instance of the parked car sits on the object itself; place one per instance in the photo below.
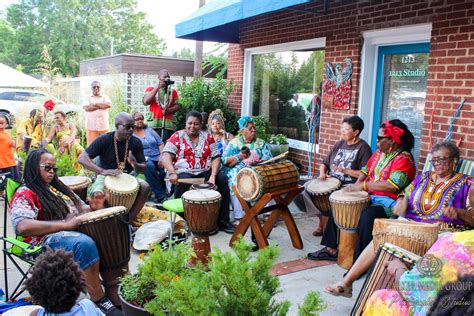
(16, 103)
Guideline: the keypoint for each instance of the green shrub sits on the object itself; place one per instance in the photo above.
(263, 127)
(278, 139)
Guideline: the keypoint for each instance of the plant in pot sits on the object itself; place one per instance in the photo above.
(233, 283)
(278, 144)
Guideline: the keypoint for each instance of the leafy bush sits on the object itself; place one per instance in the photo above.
(263, 127)
(279, 139)
(233, 283)
(204, 95)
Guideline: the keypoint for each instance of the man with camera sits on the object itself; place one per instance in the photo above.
(163, 102)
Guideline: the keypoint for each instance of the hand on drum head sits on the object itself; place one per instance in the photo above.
(323, 176)
(111, 172)
(71, 222)
(354, 187)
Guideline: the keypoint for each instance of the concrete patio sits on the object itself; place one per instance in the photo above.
(294, 285)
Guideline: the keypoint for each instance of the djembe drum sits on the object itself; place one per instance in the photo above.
(320, 190)
(121, 190)
(253, 182)
(378, 277)
(346, 209)
(204, 186)
(410, 235)
(201, 209)
(77, 184)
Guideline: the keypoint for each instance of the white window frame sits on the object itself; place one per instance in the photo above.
(247, 84)
(419, 33)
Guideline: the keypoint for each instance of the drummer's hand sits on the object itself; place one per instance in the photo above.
(212, 179)
(323, 176)
(354, 187)
(173, 178)
(71, 222)
(450, 212)
(131, 159)
(395, 265)
(338, 169)
(110, 172)
(159, 164)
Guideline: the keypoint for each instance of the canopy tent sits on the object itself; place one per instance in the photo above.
(11, 78)
(219, 20)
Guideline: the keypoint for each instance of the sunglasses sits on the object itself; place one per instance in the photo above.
(96, 87)
(441, 161)
(48, 168)
(127, 126)
(379, 138)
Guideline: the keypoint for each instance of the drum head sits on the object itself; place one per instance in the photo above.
(318, 186)
(101, 214)
(202, 186)
(248, 184)
(122, 183)
(344, 196)
(74, 181)
(201, 195)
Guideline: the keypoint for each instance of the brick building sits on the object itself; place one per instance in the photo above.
(380, 37)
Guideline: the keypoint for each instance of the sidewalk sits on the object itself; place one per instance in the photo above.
(294, 285)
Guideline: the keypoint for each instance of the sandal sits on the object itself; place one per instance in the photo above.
(339, 289)
(322, 254)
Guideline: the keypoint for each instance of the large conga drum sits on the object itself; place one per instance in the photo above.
(110, 233)
(253, 182)
(410, 235)
(121, 190)
(378, 277)
(346, 209)
(77, 184)
(201, 209)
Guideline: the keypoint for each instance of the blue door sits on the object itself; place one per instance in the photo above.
(402, 72)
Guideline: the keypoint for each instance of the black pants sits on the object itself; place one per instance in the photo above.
(365, 227)
(222, 188)
(331, 232)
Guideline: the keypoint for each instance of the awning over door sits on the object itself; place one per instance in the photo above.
(219, 20)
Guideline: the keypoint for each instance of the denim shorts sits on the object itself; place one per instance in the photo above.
(82, 246)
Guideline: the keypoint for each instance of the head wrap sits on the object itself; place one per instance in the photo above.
(216, 115)
(393, 131)
(244, 120)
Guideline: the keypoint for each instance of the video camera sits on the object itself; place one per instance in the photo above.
(168, 82)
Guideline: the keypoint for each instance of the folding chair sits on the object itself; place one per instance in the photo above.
(14, 248)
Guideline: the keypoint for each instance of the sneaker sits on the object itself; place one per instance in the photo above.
(226, 227)
(108, 308)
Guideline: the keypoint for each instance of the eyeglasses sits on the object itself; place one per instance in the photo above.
(251, 128)
(127, 126)
(48, 168)
(441, 161)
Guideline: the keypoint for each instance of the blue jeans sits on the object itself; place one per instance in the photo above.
(82, 246)
(156, 178)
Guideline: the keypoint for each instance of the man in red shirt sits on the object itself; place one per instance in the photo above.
(163, 102)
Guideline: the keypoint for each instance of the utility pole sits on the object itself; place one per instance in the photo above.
(198, 54)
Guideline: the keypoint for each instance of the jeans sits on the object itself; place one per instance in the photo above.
(156, 178)
(82, 246)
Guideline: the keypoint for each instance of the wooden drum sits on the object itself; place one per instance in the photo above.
(201, 209)
(77, 184)
(320, 190)
(413, 236)
(121, 190)
(205, 186)
(111, 235)
(346, 209)
(253, 182)
(378, 277)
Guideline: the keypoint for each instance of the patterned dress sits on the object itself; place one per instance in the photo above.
(189, 157)
(427, 200)
(233, 149)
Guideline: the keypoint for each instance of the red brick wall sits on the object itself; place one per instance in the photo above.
(451, 65)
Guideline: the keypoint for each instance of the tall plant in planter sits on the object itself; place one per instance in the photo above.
(206, 95)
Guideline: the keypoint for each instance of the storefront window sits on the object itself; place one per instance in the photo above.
(286, 90)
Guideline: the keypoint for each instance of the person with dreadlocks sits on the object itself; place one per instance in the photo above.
(43, 211)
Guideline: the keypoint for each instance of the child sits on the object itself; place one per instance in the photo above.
(7, 159)
(55, 283)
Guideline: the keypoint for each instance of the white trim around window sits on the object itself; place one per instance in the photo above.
(247, 83)
(418, 33)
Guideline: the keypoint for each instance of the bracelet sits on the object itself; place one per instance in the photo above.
(364, 185)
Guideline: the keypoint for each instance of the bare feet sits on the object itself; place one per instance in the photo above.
(339, 289)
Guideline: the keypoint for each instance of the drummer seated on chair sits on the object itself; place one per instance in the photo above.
(193, 153)
(43, 211)
(118, 152)
(343, 162)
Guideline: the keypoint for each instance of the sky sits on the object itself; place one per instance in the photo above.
(163, 15)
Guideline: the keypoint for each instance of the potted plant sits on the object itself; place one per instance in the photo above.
(278, 144)
(233, 283)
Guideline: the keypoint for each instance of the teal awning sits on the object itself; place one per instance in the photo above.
(219, 20)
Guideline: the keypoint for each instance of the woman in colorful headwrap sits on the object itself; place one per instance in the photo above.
(449, 259)
(439, 196)
(244, 150)
(389, 170)
(32, 128)
(63, 134)
(216, 127)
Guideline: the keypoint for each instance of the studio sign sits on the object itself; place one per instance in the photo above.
(407, 73)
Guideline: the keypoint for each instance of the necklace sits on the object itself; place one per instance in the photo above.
(120, 165)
